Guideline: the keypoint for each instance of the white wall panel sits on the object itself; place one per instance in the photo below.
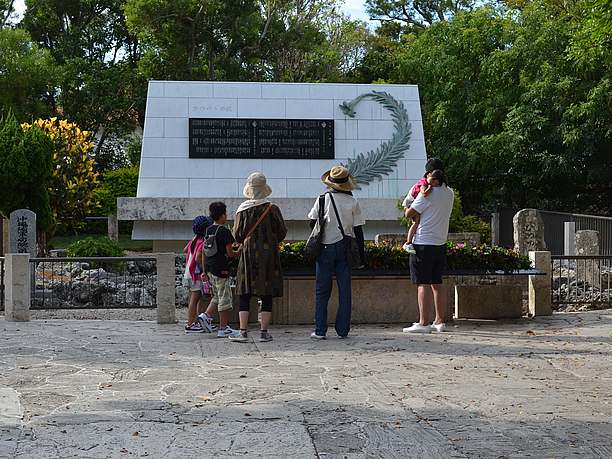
(286, 168)
(155, 148)
(219, 188)
(187, 89)
(310, 109)
(237, 90)
(285, 90)
(261, 108)
(162, 188)
(168, 107)
(189, 168)
(152, 167)
(176, 127)
(154, 127)
(230, 168)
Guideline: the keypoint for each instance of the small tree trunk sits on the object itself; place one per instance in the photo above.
(42, 243)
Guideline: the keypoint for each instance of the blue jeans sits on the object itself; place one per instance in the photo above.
(333, 259)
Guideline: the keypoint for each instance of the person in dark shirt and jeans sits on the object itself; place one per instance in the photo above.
(216, 269)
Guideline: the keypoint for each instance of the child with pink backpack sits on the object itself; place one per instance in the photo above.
(192, 277)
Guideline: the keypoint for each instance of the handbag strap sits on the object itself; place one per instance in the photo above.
(321, 213)
(259, 220)
(337, 215)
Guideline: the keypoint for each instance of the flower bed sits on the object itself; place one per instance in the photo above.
(388, 257)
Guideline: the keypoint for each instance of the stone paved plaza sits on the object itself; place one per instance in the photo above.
(96, 389)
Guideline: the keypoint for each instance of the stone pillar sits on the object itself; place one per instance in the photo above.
(587, 243)
(528, 231)
(166, 297)
(540, 287)
(6, 236)
(113, 227)
(569, 238)
(17, 287)
(495, 228)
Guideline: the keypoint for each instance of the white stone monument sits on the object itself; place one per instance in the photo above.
(202, 139)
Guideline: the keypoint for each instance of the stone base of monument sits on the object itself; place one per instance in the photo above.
(376, 300)
(488, 302)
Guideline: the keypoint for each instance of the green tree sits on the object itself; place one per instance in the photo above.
(7, 10)
(99, 87)
(116, 184)
(518, 122)
(246, 40)
(25, 171)
(73, 180)
(415, 14)
(191, 39)
(27, 76)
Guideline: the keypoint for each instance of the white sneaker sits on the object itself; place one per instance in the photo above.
(226, 332)
(205, 322)
(417, 328)
(314, 335)
(240, 337)
(438, 327)
(409, 248)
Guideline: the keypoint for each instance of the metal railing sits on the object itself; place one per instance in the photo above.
(581, 279)
(93, 282)
(554, 229)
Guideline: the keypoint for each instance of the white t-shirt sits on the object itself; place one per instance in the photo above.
(349, 211)
(435, 210)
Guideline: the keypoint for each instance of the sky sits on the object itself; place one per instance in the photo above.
(354, 8)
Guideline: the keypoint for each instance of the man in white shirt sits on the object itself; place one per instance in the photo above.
(428, 263)
(340, 209)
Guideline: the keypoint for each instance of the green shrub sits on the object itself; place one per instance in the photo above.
(474, 224)
(25, 171)
(459, 223)
(483, 257)
(116, 184)
(95, 247)
(387, 257)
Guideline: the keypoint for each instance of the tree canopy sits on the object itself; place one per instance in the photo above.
(515, 95)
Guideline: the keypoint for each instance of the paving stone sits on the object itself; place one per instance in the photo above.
(110, 388)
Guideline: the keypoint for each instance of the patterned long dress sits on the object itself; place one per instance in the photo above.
(259, 266)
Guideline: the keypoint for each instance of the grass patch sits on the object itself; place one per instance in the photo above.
(125, 242)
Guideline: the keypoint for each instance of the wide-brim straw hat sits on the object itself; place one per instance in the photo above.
(257, 186)
(339, 178)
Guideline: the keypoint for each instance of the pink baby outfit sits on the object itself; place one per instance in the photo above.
(416, 188)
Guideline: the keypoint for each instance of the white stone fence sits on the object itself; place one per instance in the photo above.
(398, 305)
(20, 278)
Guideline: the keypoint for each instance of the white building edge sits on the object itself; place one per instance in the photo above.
(173, 189)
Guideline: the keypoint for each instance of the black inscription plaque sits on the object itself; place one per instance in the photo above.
(257, 138)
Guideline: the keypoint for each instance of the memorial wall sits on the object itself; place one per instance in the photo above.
(202, 139)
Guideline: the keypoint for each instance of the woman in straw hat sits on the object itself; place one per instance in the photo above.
(259, 228)
(333, 258)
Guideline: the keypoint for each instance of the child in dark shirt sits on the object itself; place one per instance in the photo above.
(217, 251)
